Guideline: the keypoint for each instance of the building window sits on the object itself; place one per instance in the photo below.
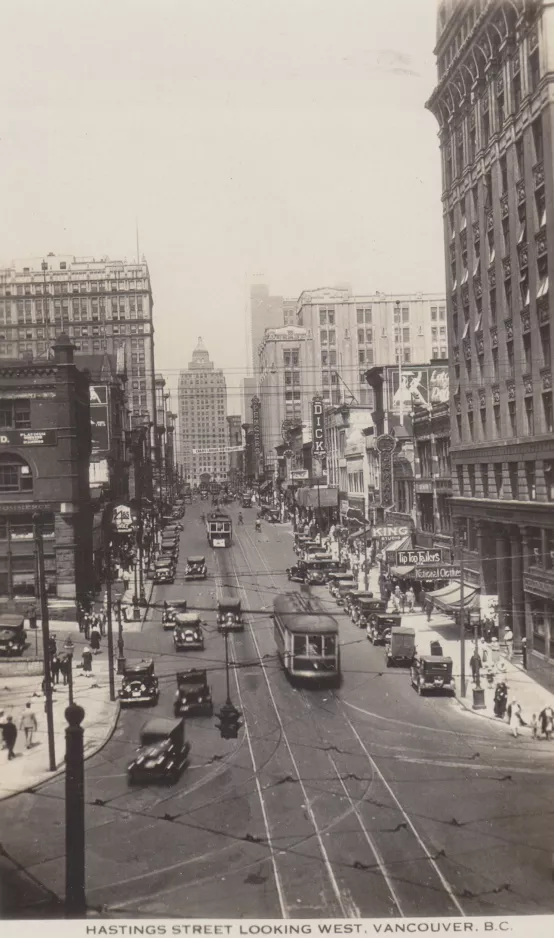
(15, 415)
(530, 479)
(547, 412)
(534, 69)
(514, 479)
(470, 424)
(545, 346)
(460, 475)
(536, 127)
(512, 417)
(548, 471)
(529, 416)
(510, 354)
(485, 479)
(527, 360)
(15, 475)
(499, 479)
(471, 478)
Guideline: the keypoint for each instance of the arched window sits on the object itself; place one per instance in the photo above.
(15, 474)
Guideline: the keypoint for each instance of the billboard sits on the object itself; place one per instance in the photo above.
(417, 386)
(318, 429)
(99, 418)
(218, 449)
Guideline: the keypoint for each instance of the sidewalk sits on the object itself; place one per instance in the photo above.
(30, 767)
(521, 686)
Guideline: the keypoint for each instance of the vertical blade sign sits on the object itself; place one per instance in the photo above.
(318, 428)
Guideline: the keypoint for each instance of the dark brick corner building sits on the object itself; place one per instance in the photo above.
(45, 446)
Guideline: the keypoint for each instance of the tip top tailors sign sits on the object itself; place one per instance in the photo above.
(407, 558)
(28, 438)
(318, 428)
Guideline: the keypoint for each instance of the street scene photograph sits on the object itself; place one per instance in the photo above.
(276, 466)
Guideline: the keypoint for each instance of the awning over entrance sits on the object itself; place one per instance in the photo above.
(402, 543)
(449, 597)
(402, 571)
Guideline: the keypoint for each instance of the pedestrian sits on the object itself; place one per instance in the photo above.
(52, 646)
(95, 638)
(500, 699)
(102, 620)
(483, 651)
(509, 643)
(126, 582)
(534, 726)
(28, 724)
(2, 725)
(429, 607)
(410, 599)
(514, 715)
(495, 650)
(65, 664)
(475, 664)
(87, 662)
(546, 720)
(9, 735)
(487, 631)
(524, 653)
(55, 669)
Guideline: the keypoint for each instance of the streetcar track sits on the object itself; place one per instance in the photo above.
(375, 770)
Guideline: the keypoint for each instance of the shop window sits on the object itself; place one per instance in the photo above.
(538, 624)
(15, 475)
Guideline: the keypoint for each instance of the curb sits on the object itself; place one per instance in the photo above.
(61, 769)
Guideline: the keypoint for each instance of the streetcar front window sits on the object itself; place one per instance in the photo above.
(299, 644)
(314, 645)
(330, 645)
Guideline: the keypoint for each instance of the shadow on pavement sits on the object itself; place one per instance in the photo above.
(21, 897)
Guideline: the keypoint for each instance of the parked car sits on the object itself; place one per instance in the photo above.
(164, 571)
(401, 647)
(246, 501)
(169, 613)
(187, 632)
(140, 684)
(193, 694)
(13, 637)
(163, 752)
(196, 568)
(380, 625)
(432, 673)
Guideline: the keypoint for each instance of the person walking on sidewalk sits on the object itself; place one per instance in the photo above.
(509, 643)
(95, 638)
(514, 716)
(29, 725)
(410, 599)
(546, 721)
(2, 725)
(87, 662)
(428, 607)
(500, 700)
(9, 735)
(475, 664)
(55, 669)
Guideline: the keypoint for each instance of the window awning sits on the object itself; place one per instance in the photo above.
(449, 597)
(402, 571)
(402, 543)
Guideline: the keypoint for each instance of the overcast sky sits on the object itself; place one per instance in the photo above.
(276, 140)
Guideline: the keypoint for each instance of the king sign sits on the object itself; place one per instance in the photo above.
(318, 428)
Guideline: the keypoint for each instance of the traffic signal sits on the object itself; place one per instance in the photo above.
(230, 721)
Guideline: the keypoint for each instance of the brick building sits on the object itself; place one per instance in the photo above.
(45, 446)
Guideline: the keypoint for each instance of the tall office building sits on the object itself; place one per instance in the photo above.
(202, 419)
(351, 333)
(101, 305)
(495, 110)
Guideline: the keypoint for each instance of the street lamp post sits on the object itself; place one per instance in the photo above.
(107, 534)
(120, 644)
(48, 704)
(75, 903)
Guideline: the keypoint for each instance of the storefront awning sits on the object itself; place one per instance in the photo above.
(449, 597)
(402, 543)
(402, 571)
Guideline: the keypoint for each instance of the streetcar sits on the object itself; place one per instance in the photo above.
(219, 529)
(307, 639)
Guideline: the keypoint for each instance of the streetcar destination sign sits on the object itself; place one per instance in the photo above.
(437, 572)
(405, 558)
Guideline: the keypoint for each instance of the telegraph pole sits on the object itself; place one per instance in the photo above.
(75, 902)
(39, 547)
(120, 645)
(462, 612)
(106, 534)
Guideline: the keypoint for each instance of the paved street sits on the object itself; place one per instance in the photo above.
(367, 801)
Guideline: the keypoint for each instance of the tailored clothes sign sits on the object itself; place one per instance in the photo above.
(99, 418)
(318, 428)
(28, 438)
(218, 449)
(436, 572)
(386, 445)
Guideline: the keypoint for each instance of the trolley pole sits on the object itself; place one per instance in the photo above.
(226, 633)
(108, 566)
(39, 546)
(462, 614)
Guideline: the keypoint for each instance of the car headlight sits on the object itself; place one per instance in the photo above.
(143, 687)
(200, 700)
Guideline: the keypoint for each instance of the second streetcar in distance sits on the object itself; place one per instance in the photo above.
(307, 639)
(219, 529)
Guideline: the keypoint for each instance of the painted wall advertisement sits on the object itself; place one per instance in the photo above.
(417, 386)
(99, 423)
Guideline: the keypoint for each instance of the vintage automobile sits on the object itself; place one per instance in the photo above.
(352, 600)
(380, 625)
(432, 673)
(334, 579)
(401, 647)
(229, 615)
(273, 515)
(163, 752)
(246, 501)
(193, 694)
(170, 544)
(341, 590)
(297, 573)
(313, 550)
(187, 632)
(169, 613)
(164, 571)
(140, 684)
(300, 540)
(196, 568)
(13, 637)
(368, 610)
